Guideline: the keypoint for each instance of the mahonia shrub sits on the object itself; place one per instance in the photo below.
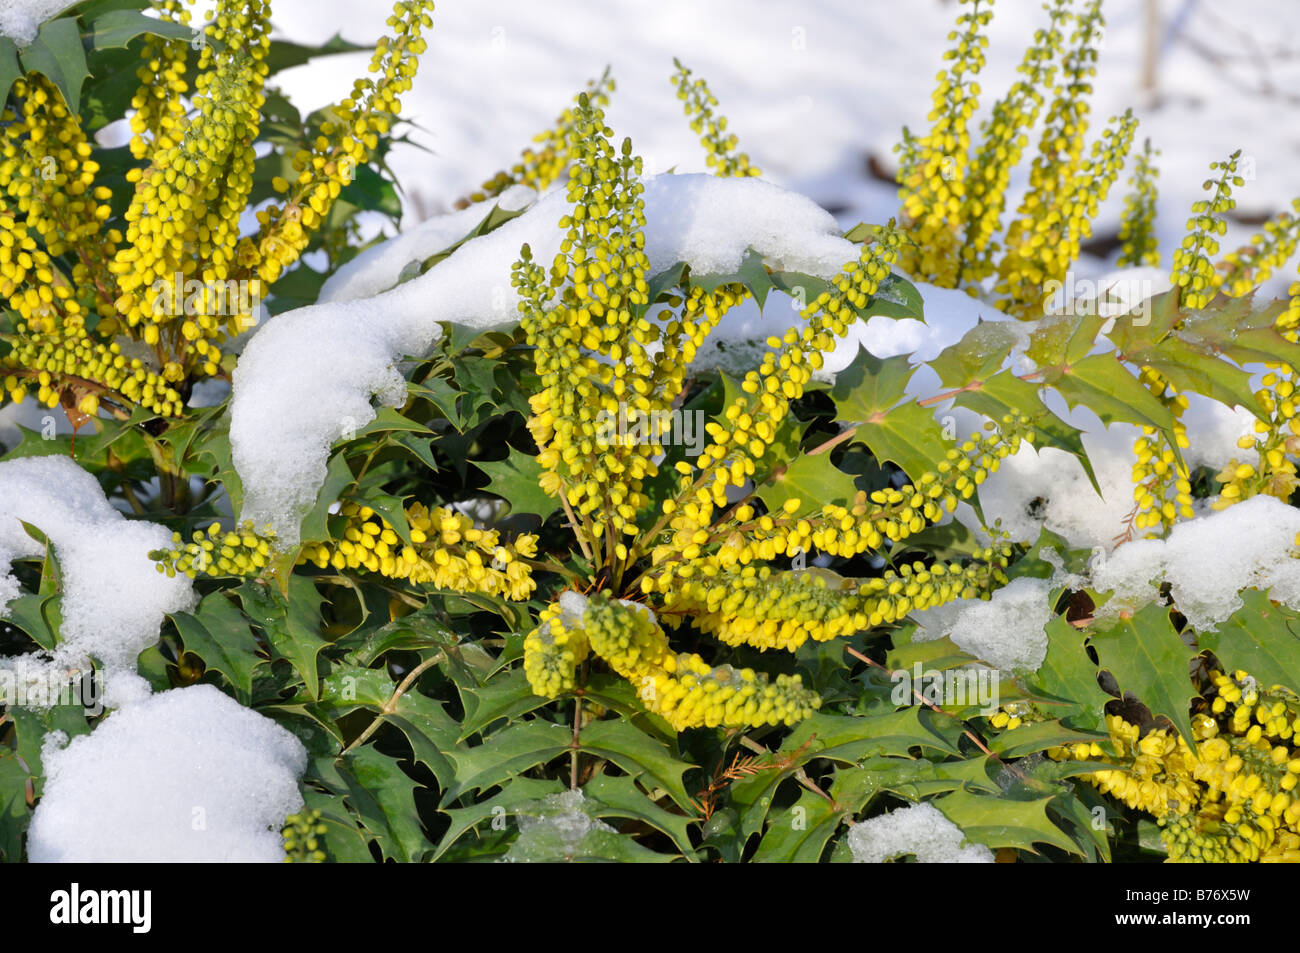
(533, 612)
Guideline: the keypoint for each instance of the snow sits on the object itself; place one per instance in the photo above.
(561, 829)
(378, 268)
(20, 20)
(920, 830)
(1207, 562)
(307, 377)
(187, 776)
(114, 599)
(1004, 631)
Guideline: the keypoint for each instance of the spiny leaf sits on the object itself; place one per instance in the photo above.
(1261, 638)
(515, 480)
(1069, 675)
(1148, 658)
(1003, 822)
(871, 393)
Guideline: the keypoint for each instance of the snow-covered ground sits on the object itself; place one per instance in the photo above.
(814, 90)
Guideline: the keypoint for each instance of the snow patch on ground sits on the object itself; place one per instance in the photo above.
(187, 776)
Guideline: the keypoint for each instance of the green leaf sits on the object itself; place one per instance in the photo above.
(638, 753)
(871, 393)
(509, 752)
(515, 480)
(338, 477)
(57, 53)
(285, 55)
(621, 797)
(1069, 675)
(430, 731)
(813, 480)
(1261, 638)
(1038, 736)
(10, 70)
(383, 795)
(505, 696)
(292, 625)
(1004, 822)
(798, 834)
(117, 28)
(14, 812)
(220, 636)
(1148, 658)
(517, 794)
(751, 274)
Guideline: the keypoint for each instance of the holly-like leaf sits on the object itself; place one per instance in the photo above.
(219, 635)
(1003, 821)
(117, 28)
(57, 54)
(516, 480)
(1148, 658)
(870, 392)
(381, 792)
(292, 624)
(509, 752)
(638, 753)
(1260, 638)
(1069, 676)
(518, 794)
(812, 479)
(622, 797)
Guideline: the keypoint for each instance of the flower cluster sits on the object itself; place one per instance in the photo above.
(171, 279)
(932, 182)
(1003, 142)
(445, 550)
(719, 145)
(216, 552)
(681, 687)
(1192, 269)
(1162, 486)
(303, 834)
(593, 328)
(1137, 226)
(1229, 800)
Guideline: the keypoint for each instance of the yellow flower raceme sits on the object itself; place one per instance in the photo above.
(682, 687)
(1003, 141)
(719, 145)
(1137, 227)
(1232, 800)
(446, 551)
(1192, 270)
(217, 552)
(345, 143)
(932, 180)
(159, 119)
(1244, 269)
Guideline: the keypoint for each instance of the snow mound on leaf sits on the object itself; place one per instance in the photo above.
(920, 830)
(1004, 631)
(114, 599)
(20, 20)
(186, 776)
(308, 377)
(1207, 562)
